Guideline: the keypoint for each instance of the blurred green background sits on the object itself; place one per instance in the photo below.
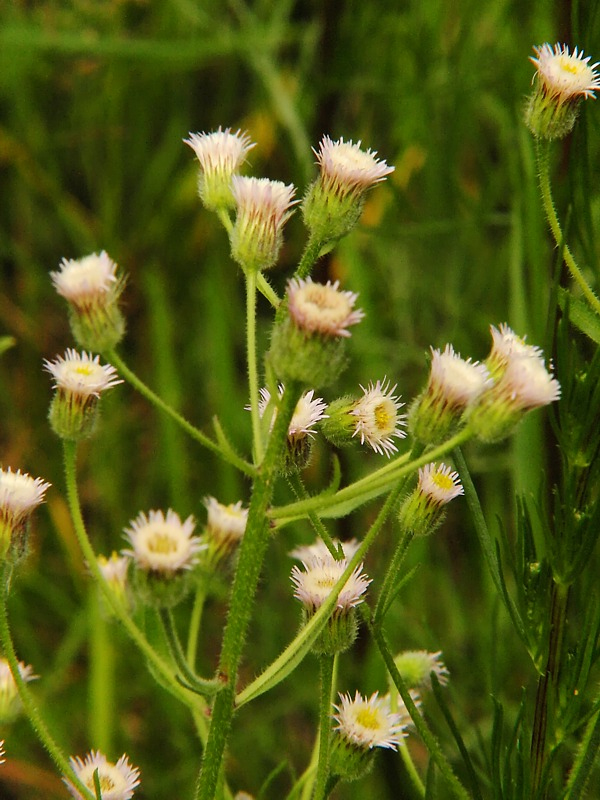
(95, 99)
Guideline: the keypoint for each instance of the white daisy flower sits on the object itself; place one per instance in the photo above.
(20, 494)
(309, 410)
(563, 75)
(322, 308)
(318, 550)
(456, 382)
(368, 723)
(226, 523)
(439, 483)
(117, 781)
(163, 543)
(377, 418)
(81, 375)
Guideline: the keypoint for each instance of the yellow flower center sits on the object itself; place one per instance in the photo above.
(368, 718)
(445, 482)
(162, 543)
(385, 417)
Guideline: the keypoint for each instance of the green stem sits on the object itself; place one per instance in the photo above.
(300, 490)
(227, 455)
(39, 725)
(309, 257)
(547, 684)
(194, 626)
(543, 162)
(251, 363)
(199, 685)
(370, 486)
(251, 556)
(433, 746)
(326, 669)
(263, 286)
(162, 668)
(409, 766)
(391, 576)
(102, 677)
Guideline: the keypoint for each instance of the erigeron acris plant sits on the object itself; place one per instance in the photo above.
(166, 559)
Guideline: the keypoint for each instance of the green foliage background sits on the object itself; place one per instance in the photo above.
(95, 99)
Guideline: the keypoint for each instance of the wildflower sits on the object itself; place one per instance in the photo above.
(309, 411)
(20, 494)
(2, 752)
(362, 725)
(10, 702)
(263, 207)
(225, 528)
(314, 584)
(454, 385)
(221, 154)
(164, 551)
(79, 380)
(505, 345)
(322, 308)
(114, 571)
(423, 510)
(524, 385)
(416, 666)
(307, 343)
(92, 289)
(377, 418)
(117, 781)
(562, 80)
(334, 202)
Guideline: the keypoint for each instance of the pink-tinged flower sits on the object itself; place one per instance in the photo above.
(221, 154)
(368, 723)
(505, 345)
(377, 419)
(347, 169)
(162, 543)
(563, 75)
(454, 385)
(524, 385)
(322, 308)
(263, 207)
(117, 781)
(416, 666)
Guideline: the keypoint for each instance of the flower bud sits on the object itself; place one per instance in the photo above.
(335, 201)
(307, 343)
(263, 207)
(416, 666)
(79, 381)
(423, 510)
(10, 702)
(20, 494)
(221, 154)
